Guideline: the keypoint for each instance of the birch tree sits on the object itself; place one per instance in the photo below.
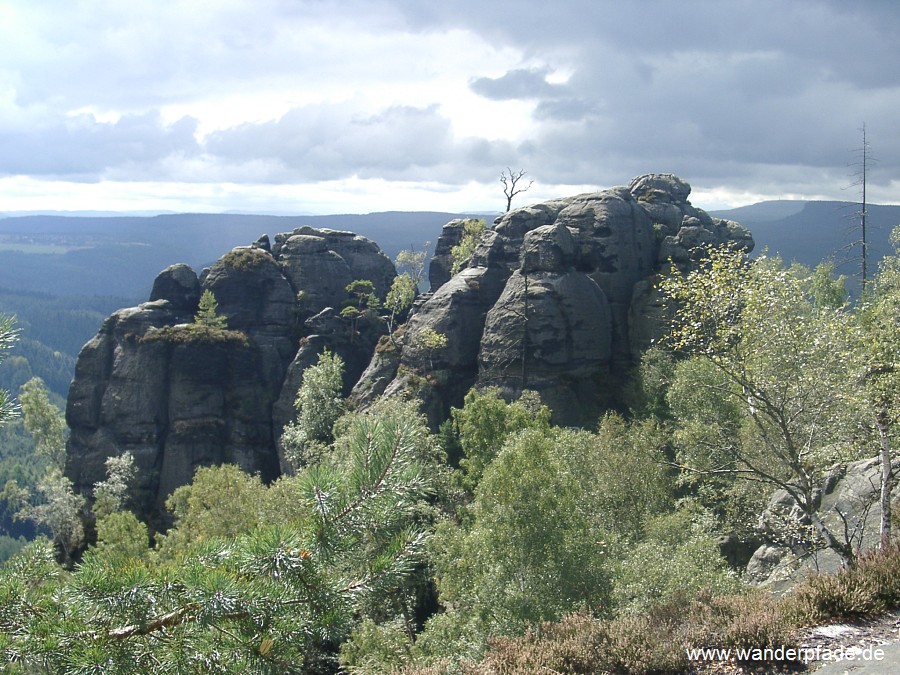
(781, 369)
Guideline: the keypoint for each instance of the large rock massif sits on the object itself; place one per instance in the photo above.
(178, 400)
(559, 297)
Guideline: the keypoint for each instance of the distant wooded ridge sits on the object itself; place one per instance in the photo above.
(121, 255)
(810, 232)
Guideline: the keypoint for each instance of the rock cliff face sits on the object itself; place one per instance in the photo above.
(559, 297)
(442, 260)
(178, 399)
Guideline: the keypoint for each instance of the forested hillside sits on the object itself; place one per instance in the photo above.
(812, 232)
(377, 554)
(121, 255)
(52, 330)
(61, 275)
(96, 255)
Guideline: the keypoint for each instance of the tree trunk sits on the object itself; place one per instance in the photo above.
(844, 550)
(803, 499)
(887, 477)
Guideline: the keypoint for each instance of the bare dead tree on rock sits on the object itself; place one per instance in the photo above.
(510, 180)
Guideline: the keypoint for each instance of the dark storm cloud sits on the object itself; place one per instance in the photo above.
(718, 91)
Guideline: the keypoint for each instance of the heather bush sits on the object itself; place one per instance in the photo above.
(191, 333)
(653, 642)
(746, 620)
(643, 644)
(656, 641)
(246, 259)
(872, 585)
(570, 645)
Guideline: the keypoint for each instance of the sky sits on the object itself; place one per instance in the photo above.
(357, 106)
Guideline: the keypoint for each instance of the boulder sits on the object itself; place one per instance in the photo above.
(648, 316)
(320, 273)
(321, 262)
(847, 498)
(263, 243)
(457, 311)
(363, 257)
(179, 286)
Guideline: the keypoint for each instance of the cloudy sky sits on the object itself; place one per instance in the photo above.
(353, 106)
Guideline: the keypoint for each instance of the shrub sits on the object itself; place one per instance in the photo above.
(872, 585)
(319, 404)
(193, 333)
(122, 534)
(655, 642)
(375, 648)
(678, 559)
(462, 253)
(246, 259)
(571, 645)
(450, 637)
(747, 620)
(386, 345)
(643, 644)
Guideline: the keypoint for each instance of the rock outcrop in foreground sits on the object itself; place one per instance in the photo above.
(847, 501)
(559, 298)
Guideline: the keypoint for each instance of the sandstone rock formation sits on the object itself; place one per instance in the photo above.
(178, 399)
(559, 297)
(550, 326)
(442, 260)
